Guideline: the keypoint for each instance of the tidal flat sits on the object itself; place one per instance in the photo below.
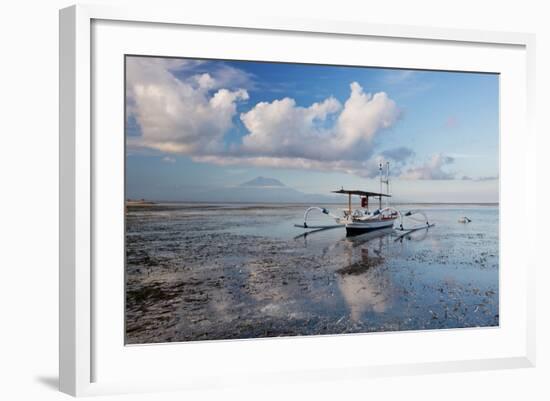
(234, 271)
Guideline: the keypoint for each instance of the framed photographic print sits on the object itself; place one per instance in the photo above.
(344, 199)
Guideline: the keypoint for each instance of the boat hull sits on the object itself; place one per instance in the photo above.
(360, 227)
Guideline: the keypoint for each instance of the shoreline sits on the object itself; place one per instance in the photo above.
(168, 202)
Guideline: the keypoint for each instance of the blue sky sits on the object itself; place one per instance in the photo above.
(194, 125)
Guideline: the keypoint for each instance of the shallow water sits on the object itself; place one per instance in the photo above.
(207, 272)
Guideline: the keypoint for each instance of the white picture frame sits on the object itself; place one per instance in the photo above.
(82, 343)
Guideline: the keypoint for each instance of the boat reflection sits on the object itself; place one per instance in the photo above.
(362, 272)
(364, 283)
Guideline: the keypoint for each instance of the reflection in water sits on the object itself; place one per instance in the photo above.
(364, 293)
(363, 285)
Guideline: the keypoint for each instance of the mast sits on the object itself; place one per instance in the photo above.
(381, 181)
(388, 183)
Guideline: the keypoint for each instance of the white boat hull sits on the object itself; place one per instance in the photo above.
(358, 227)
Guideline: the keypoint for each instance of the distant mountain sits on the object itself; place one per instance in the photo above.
(263, 182)
(263, 190)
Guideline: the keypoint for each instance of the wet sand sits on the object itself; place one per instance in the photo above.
(211, 272)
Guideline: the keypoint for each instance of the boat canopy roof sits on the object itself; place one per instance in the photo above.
(360, 193)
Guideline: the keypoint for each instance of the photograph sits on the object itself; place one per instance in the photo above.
(274, 199)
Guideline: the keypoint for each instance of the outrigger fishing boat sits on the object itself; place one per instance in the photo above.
(364, 219)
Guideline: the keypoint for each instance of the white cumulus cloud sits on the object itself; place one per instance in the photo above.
(325, 131)
(178, 116)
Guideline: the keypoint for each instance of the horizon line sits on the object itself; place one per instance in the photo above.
(301, 203)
